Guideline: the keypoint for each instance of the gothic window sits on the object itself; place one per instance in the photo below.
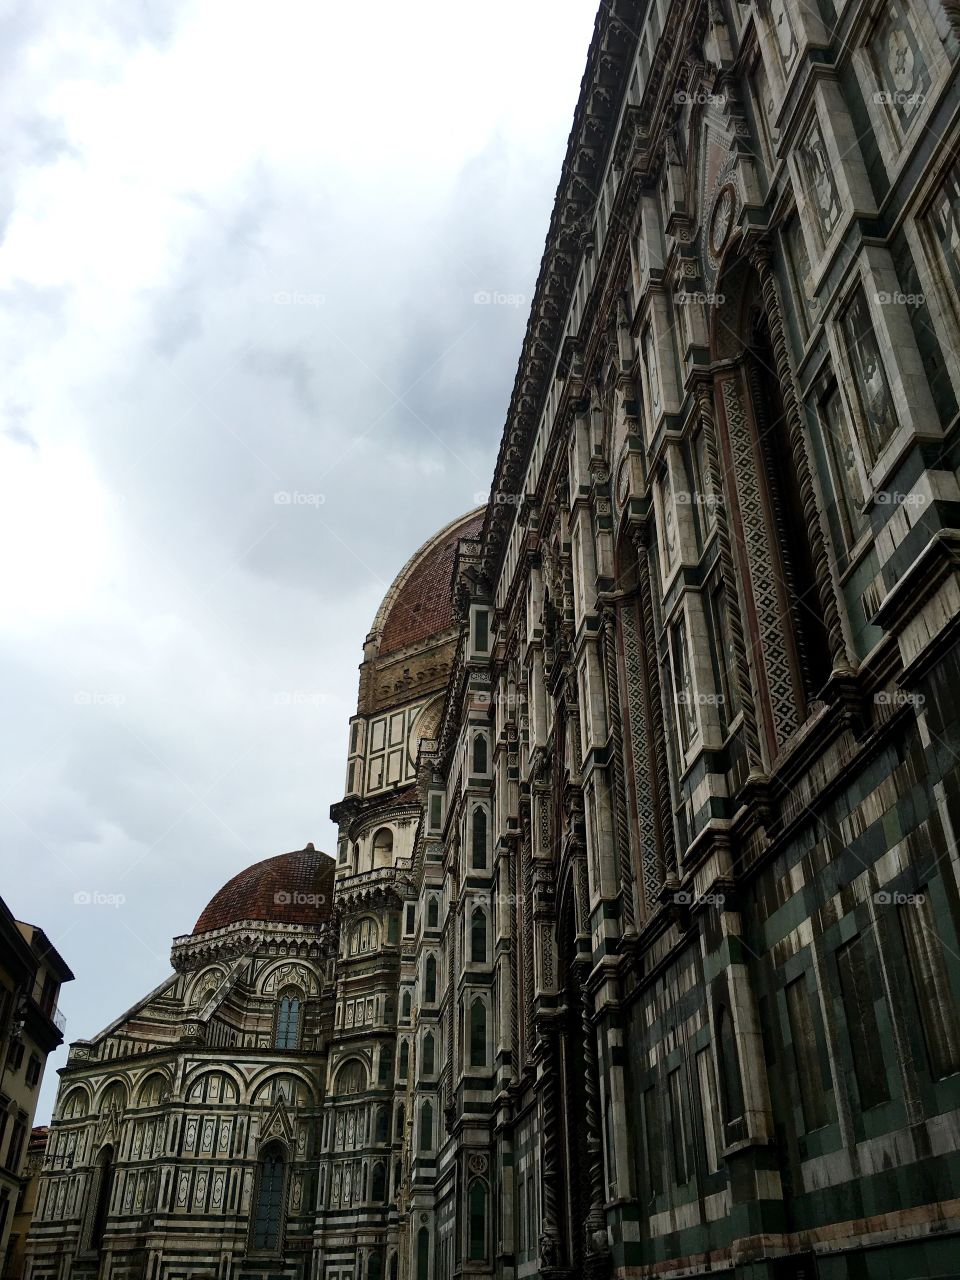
(393, 928)
(683, 691)
(286, 1032)
(942, 226)
(430, 980)
(479, 754)
(436, 810)
(477, 1199)
(383, 847)
(871, 390)
(378, 1190)
(705, 500)
(385, 1074)
(931, 985)
(899, 66)
(654, 1145)
(478, 936)
(426, 1126)
(389, 1011)
(844, 460)
(863, 1032)
(364, 937)
(481, 630)
(404, 1068)
(268, 1203)
(410, 920)
(678, 1126)
(74, 1106)
(724, 656)
(405, 1007)
(401, 1121)
(433, 913)
(479, 838)
(670, 538)
(351, 1078)
(730, 1086)
(102, 1191)
(478, 1033)
(801, 276)
(709, 1108)
(423, 1254)
(817, 182)
(806, 1056)
(427, 1057)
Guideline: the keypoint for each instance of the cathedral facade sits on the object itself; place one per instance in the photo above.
(639, 954)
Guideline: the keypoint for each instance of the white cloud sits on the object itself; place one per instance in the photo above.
(181, 651)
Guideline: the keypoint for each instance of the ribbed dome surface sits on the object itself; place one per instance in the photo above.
(424, 604)
(292, 888)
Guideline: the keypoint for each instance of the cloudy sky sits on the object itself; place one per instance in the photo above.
(239, 251)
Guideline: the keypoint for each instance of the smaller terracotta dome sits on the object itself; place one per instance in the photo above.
(292, 888)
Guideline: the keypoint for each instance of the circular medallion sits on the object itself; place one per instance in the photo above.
(721, 220)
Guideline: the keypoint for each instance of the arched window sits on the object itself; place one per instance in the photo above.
(479, 842)
(364, 937)
(478, 1033)
(477, 1220)
(404, 1060)
(405, 1005)
(423, 1254)
(268, 1204)
(383, 847)
(389, 1011)
(428, 1064)
(75, 1104)
(378, 1191)
(103, 1189)
(731, 1088)
(479, 754)
(351, 1078)
(286, 1032)
(433, 913)
(383, 1125)
(430, 980)
(426, 1127)
(401, 1121)
(385, 1074)
(478, 936)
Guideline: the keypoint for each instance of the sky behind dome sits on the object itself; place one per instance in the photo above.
(245, 375)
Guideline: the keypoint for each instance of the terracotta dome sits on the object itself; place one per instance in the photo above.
(292, 888)
(420, 602)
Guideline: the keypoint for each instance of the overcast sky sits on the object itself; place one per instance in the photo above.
(239, 250)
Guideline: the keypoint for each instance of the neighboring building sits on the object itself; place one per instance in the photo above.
(31, 1027)
(365, 1188)
(185, 1135)
(26, 1202)
(644, 952)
